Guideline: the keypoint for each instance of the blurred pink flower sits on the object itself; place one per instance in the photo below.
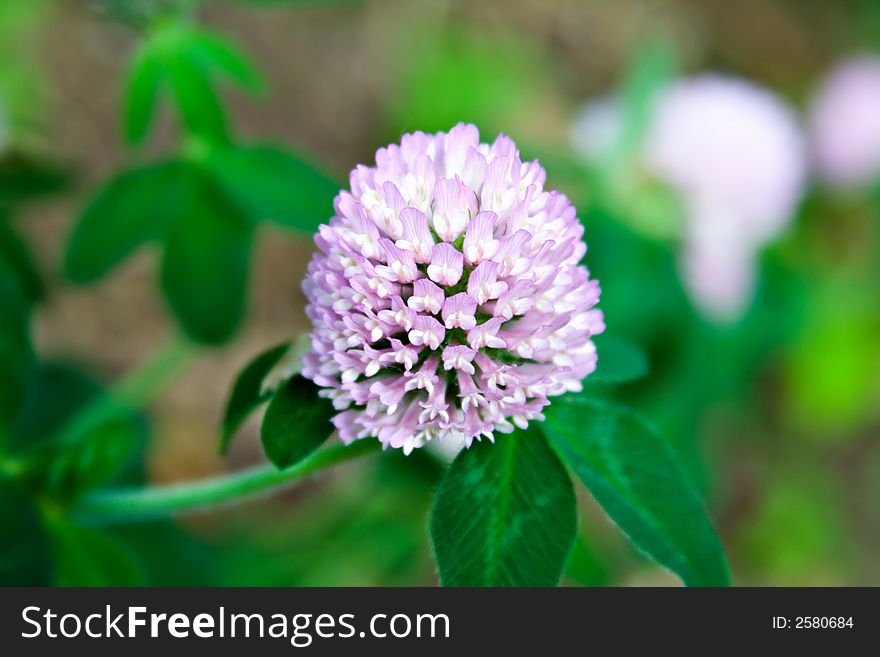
(727, 143)
(735, 154)
(447, 298)
(845, 123)
(718, 264)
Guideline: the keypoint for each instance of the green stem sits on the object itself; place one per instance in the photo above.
(136, 390)
(131, 505)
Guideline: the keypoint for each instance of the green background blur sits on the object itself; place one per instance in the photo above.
(777, 416)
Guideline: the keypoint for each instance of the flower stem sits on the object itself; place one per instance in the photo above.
(132, 505)
(136, 390)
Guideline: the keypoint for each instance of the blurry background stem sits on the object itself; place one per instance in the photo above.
(135, 391)
(132, 505)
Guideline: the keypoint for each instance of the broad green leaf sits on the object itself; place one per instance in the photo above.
(504, 514)
(275, 185)
(17, 257)
(24, 550)
(636, 477)
(133, 208)
(141, 93)
(205, 263)
(296, 423)
(200, 108)
(88, 557)
(248, 393)
(619, 361)
(214, 52)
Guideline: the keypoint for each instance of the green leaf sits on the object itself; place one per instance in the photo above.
(296, 423)
(24, 550)
(620, 361)
(206, 261)
(133, 208)
(248, 393)
(200, 108)
(87, 557)
(275, 185)
(504, 514)
(215, 52)
(636, 477)
(142, 90)
(186, 59)
(207, 242)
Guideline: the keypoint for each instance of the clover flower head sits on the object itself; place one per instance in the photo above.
(447, 296)
(845, 123)
(736, 156)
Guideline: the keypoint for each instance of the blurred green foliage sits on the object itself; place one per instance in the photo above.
(492, 80)
(21, 82)
(42, 475)
(203, 204)
(775, 419)
(24, 551)
(832, 365)
(186, 62)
